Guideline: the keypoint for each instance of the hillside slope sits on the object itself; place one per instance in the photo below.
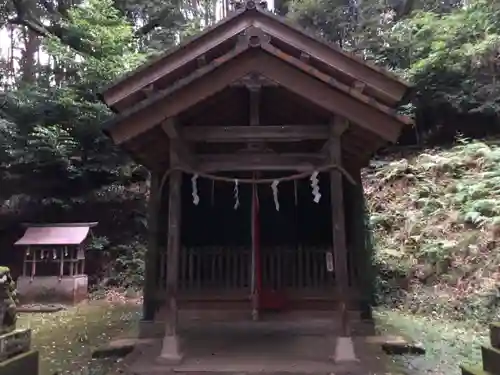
(436, 224)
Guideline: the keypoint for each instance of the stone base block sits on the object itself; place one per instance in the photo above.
(52, 289)
(170, 351)
(344, 350)
(26, 363)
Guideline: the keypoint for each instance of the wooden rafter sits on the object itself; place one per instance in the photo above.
(270, 133)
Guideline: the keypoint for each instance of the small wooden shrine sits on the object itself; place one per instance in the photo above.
(255, 133)
(54, 263)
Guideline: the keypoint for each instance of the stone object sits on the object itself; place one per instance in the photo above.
(116, 348)
(400, 346)
(25, 363)
(8, 301)
(14, 343)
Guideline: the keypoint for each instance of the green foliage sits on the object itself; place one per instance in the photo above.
(129, 268)
(52, 149)
(452, 58)
(108, 36)
(59, 149)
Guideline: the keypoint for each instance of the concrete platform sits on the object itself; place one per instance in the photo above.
(260, 347)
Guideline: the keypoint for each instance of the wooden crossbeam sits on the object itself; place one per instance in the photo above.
(260, 162)
(269, 133)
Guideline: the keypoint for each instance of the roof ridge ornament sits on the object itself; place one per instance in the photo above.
(243, 5)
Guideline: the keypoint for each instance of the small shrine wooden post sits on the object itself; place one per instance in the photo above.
(170, 351)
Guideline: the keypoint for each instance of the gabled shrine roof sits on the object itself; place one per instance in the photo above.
(377, 82)
(253, 42)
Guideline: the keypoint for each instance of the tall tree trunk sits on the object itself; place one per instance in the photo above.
(28, 64)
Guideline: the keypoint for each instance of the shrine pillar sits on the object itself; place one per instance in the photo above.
(170, 352)
(344, 350)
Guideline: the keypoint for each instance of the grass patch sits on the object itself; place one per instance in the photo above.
(448, 343)
(66, 339)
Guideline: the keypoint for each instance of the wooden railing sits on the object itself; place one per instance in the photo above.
(229, 269)
(295, 268)
(211, 268)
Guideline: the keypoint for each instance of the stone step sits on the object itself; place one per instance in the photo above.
(477, 370)
(26, 363)
(491, 359)
(247, 373)
(495, 335)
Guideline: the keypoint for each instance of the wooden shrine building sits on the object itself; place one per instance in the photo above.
(255, 133)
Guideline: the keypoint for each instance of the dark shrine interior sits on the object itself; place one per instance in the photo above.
(216, 222)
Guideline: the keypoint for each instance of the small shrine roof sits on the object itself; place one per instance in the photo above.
(55, 234)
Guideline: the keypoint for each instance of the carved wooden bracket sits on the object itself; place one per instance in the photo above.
(253, 37)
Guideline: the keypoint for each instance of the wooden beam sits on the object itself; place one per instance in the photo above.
(260, 162)
(180, 146)
(270, 133)
(338, 218)
(172, 102)
(251, 78)
(254, 104)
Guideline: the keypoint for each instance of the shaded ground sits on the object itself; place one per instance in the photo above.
(66, 339)
(448, 344)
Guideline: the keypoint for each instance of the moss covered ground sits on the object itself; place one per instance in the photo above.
(67, 338)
